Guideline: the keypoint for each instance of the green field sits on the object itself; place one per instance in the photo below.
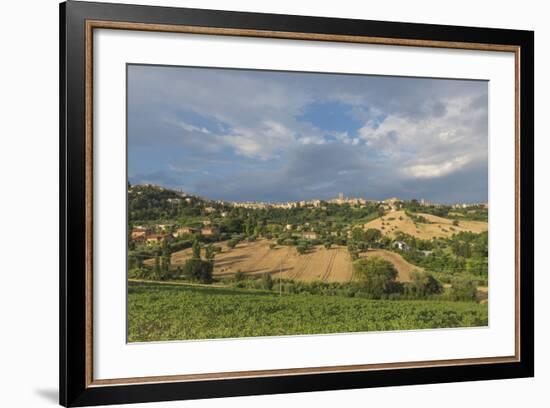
(178, 312)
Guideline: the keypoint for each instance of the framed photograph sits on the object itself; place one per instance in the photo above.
(257, 204)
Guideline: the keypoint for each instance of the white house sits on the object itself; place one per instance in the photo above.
(401, 245)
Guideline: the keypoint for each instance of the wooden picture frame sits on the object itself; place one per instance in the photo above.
(78, 20)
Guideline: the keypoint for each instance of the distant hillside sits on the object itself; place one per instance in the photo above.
(423, 226)
(156, 203)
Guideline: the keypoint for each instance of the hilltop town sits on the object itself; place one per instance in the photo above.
(213, 213)
(341, 199)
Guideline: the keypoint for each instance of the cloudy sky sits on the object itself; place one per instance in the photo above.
(278, 136)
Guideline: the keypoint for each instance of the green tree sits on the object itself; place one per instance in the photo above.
(423, 284)
(239, 276)
(377, 276)
(463, 288)
(353, 251)
(357, 234)
(210, 252)
(156, 268)
(302, 249)
(373, 235)
(267, 281)
(196, 250)
(477, 266)
(233, 225)
(166, 268)
(165, 249)
(197, 269)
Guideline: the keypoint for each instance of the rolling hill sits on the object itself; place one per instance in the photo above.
(396, 221)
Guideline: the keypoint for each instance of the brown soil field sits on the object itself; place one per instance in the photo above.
(403, 267)
(391, 223)
(319, 264)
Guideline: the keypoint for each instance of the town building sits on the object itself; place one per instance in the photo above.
(185, 230)
(210, 231)
(139, 233)
(158, 238)
(310, 235)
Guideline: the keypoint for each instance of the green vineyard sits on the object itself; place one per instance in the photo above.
(158, 312)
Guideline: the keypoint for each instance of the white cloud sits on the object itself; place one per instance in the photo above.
(191, 128)
(412, 129)
(431, 146)
(436, 170)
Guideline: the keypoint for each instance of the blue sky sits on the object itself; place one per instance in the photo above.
(278, 136)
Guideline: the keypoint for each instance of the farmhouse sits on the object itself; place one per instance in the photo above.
(158, 238)
(140, 233)
(138, 239)
(310, 235)
(164, 227)
(185, 230)
(401, 245)
(209, 231)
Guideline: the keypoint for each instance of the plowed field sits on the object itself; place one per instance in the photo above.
(319, 264)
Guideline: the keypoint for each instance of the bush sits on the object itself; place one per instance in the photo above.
(138, 273)
(232, 243)
(463, 288)
(210, 252)
(267, 281)
(240, 276)
(196, 250)
(423, 285)
(378, 276)
(199, 270)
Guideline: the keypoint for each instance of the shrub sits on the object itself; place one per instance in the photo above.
(267, 281)
(423, 285)
(373, 235)
(210, 252)
(138, 273)
(463, 288)
(196, 250)
(240, 276)
(199, 270)
(378, 276)
(232, 243)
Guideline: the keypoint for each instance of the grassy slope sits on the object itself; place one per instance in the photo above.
(170, 312)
